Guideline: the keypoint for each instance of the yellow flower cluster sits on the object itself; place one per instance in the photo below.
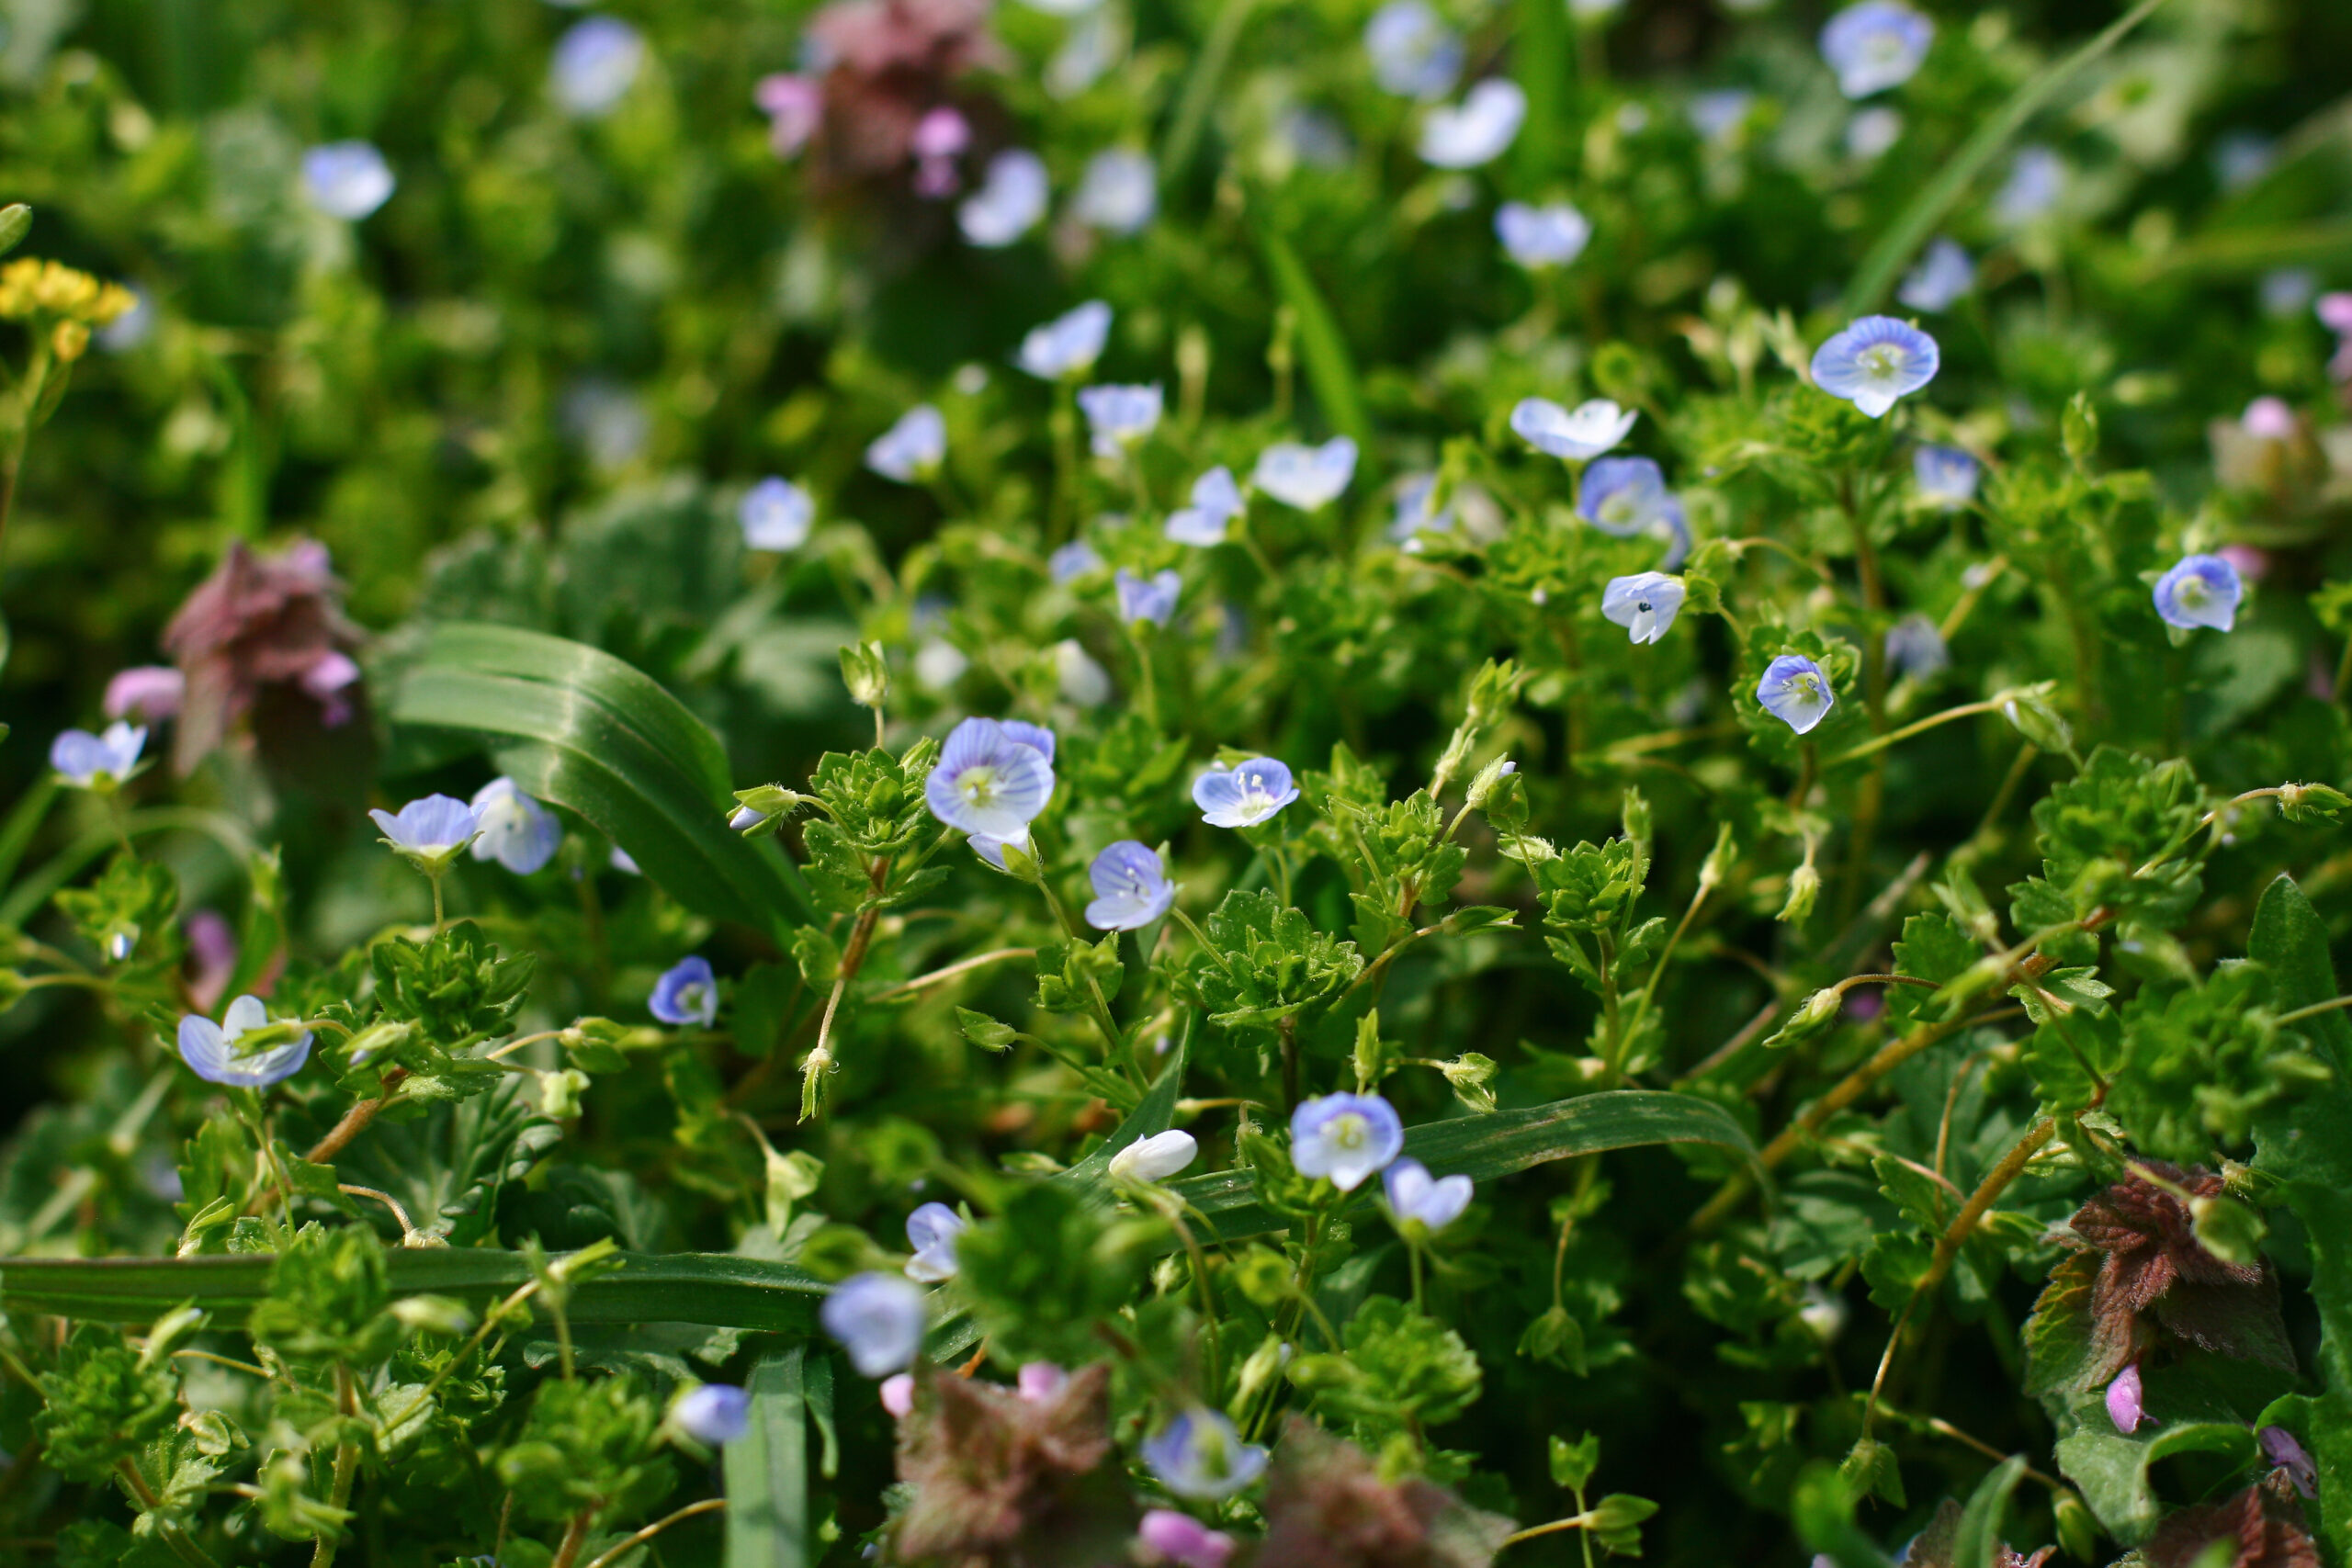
(47, 288)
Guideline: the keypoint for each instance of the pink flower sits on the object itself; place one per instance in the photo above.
(2334, 311)
(2123, 1404)
(1041, 1382)
(2251, 563)
(795, 105)
(899, 1394)
(212, 957)
(1182, 1539)
(2270, 419)
(146, 692)
(258, 621)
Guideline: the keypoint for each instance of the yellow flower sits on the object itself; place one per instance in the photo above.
(69, 340)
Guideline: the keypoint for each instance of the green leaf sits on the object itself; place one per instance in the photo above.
(576, 727)
(1485, 1148)
(767, 1468)
(1150, 1118)
(2112, 1470)
(715, 1289)
(1902, 239)
(1979, 1545)
(1330, 370)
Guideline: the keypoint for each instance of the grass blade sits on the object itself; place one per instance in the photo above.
(767, 1468)
(1330, 370)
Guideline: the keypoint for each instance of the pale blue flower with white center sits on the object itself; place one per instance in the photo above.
(133, 328)
(1874, 362)
(1307, 478)
(1414, 53)
(1068, 345)
(988, 780)
(1942, 276)
(1947, 475)
(713, 1414)
(1217, 501)
(1201, 1454)
(1537, 237)
(1795, 691)
(1346, 1137)
(1034, 736)
(1073, 561)
(1573, 435)
(879, 1318)
(1417, 509)
(1244, 795)
(1915, 648)
(687, 993)
(211, 1049)
(2201, 591)
(1623, 496)
(429, 833)
(2037, 179)
(516, 831)
(1875, 45)
(1131, 888)
(1717, 116)
(1149, 598)
(913, 449)
(775, 514)
(1012, 198)
(1645, 603)
(594, 65)
(1480, 130)
(1873, 132)
(1416, 1198)
(1119, 192)
(98, 761)
(347, 179)
(1119, 417)
(1098, 43)
(932, 1230)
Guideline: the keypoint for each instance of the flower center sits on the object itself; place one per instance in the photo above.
(2192, 592)
(1349, 1131)
(976, 784)
(1882, 360)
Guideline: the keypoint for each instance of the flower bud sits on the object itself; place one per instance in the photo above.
(1155, 1159)
(866, 671)
(1811, 1020)
(1804, 887)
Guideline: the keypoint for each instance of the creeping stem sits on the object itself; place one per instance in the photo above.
(346, 1466)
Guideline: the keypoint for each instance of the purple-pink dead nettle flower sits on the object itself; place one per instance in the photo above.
(2269, 419)
(1182, 1541)
(1040, 1382)
(899, 1394)
(2334, 312)
(146, 692)
(2280, 1446)
(1244, 795)
(2123, 1400)
(940, 138)
(990, 779)
(795, 106)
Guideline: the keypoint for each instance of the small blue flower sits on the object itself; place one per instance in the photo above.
(1916, 648)
(1573, 436)
(1874, 362)
(1073, 561)
(1346, 1137)
(1622, 495)
(1012, 198)
(1417, 509)
(1149, 598)
(1414, 53)
(517, 831)
(1119, 192)
(1119, 417)
(714, 1414)
(1716, 115)
(1945, 475)
(2036, 181)
(776, 515)
(932, 1230)
(1244, 795)
(429, 833)
(2201, 591)
(594, 64)
(1478, 133)
(1217, 501)
(211, 1049)
(1034, 736)
(879, 1318)
(1308, 478)
(1870, 133)
(2243, 157)
(988, 780)
(98, 761)
(1201, 1454)
(1875, 45)
(1795, 691)
(687, 993)
(1131, 888)
(1415, 1198)
(347, 179)
(1541, 236)
(1943, 275)
(1067, 345)
(1645, 603)
(912, 449)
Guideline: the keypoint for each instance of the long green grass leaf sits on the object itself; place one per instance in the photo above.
(577, 726)
(767, 1468)
(1330, 369)
(1902, 241)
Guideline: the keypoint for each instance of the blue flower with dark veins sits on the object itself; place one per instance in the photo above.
(1874, 362)
(1244, 795)
(989, 781)
(687, 993)
(2201, 591)
(1131, 888)
(1795, 691)
(211, 1050)
(1347, 1137)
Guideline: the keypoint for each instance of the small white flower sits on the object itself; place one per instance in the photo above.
(347, 179)
(1012, 198)
(1155, 1159)
(1480, 131)
(912, 449)
(1645, 603)
(1575, 435)
(1308, 478)
(1119, 192)
(1068, 345)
